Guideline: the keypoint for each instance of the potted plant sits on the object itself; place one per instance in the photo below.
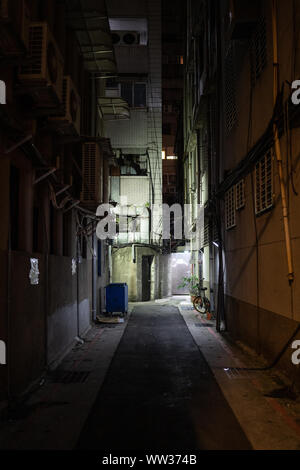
(193, 284)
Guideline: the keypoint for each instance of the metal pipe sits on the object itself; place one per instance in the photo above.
(77, 284)
(278, 150)
(94, 256)
(94, 276)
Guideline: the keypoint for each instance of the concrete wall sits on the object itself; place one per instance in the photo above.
(43, 318)
(3, 316)
(27, 341)
(261, 308)
(132, 59)
(62, 318)
(124, 270)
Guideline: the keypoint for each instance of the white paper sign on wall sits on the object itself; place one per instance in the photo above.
(2, 92)
(34, 271)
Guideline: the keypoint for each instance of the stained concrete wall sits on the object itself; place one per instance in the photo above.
(262, 309)
(27, 342)
(124, 270)
(62, 316)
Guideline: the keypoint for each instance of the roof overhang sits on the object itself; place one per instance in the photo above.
(89, 20)
(112, 108)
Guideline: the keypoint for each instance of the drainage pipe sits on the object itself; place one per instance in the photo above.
(278, 150)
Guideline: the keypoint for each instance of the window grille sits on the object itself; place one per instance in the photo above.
(230, 212)
(206, 234)
(259, 51)
(240, 195)
(230, 91)
(264, 184)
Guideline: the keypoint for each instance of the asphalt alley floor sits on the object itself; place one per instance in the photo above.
(162, 380)
(160, 393)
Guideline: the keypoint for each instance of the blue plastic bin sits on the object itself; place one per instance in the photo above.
(116, 298)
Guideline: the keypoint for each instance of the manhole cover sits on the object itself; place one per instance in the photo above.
(69, 376)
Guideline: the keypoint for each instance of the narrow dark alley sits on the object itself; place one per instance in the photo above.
(160, 392)
(150, 229)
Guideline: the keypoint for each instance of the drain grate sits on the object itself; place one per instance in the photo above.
(70, 376)
(203, 325)
(233, 373)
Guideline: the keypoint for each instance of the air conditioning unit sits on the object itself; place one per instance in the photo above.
(69, 122)
(14, 28)
(92, 176)
(43, 74)
(126, 38)
(243, 17)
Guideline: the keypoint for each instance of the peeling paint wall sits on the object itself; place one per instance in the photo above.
(124, 270)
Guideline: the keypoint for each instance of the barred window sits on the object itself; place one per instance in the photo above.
(230, 91)
(259, 51)
(206, 235)
(240, 195)
(230, 220)
(264, 184)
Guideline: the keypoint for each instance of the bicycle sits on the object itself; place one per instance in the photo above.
(201, 303)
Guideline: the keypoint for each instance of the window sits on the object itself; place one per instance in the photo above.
(230, 221)
(171, 190)
(128, 171)
(127, 92)
(259, 51)
(140, 95)
(240, 195)
(135, 93)
(264, 184)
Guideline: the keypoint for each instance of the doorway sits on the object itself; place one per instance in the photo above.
(146, 277)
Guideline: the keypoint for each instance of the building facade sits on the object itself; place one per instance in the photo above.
(53, 269)
(136, 181)
(173, 27)
(241, 160)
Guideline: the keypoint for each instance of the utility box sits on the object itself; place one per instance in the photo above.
(116, 298)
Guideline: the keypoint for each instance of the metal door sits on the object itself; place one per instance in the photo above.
(146, 278)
